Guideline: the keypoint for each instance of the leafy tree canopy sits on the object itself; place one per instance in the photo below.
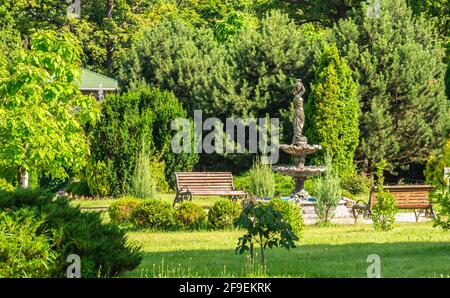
(41, 108)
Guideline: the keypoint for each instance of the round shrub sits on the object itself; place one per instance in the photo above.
(190, 215)
(223, 214)
(120, 211)
(154, 214)
(356, 184)
(291, 213)
(44, 230)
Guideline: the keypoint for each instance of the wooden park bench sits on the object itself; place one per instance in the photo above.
(413, 197)
(205, 184)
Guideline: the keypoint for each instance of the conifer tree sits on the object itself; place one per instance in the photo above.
(332, 111)
(396, 58)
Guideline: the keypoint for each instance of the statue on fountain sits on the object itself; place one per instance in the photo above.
(299, 114)
(299, 148)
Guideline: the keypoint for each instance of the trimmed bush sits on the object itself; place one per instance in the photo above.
(102, 247)
(120, 210)
(224, 214)
(190, 215)
(291, 213)
(97, 178)
(356, 184)
(153, 214)
(130, 119)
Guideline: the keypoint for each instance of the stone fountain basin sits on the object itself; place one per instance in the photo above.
(300, 150)
(300, 172)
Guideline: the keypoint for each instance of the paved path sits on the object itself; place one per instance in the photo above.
(399, 217)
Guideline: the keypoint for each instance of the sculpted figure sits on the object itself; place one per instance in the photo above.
(299, 114)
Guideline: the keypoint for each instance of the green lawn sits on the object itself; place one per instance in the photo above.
(410, 250)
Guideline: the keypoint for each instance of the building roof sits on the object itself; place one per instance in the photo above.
(91, 81)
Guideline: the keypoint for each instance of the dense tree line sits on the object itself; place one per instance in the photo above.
(241, 57)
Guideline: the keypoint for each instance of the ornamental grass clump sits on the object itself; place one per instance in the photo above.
(262, 181)
(328, 192)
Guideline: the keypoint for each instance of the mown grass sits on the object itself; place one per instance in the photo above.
(410, 250)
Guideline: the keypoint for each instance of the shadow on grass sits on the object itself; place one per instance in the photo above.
(402, 259)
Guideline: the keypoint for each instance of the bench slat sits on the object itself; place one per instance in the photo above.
(206, 184)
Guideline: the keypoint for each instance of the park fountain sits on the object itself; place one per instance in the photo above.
(299, 149)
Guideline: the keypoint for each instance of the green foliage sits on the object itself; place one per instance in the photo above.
(434, 170)
(189, 215)
(397, 61)
(102, 246)
(266, 59)
(25, 251)
(78, 188)
(290, 213)
(328, 191)
(120, 210)
(383, 212)
(38, 127)
(250, 75)
(262, 182)
(224, 214)
(242, 181)
(332, 111)
(28, 16)
(266, 227)
(130, 120)
(153, 214)
(226, 29)
(5, 186)
(356, 184)
(284, 185)
(106, 27)
(441, 206)
(143, 184)
(97, 178)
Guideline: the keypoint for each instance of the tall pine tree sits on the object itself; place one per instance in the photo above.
(397, 60)
(332, 111)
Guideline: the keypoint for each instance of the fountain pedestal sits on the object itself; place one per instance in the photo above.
(300, 172)
(299, 149)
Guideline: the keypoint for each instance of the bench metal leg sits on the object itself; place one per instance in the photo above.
(180, 197)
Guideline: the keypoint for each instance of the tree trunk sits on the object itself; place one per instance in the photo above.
(109, 43)
(22, 175)
(263, 261)
(252, 257)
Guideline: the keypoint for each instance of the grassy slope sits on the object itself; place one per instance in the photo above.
(410, 250)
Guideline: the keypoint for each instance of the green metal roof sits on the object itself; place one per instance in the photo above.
(91, 81)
